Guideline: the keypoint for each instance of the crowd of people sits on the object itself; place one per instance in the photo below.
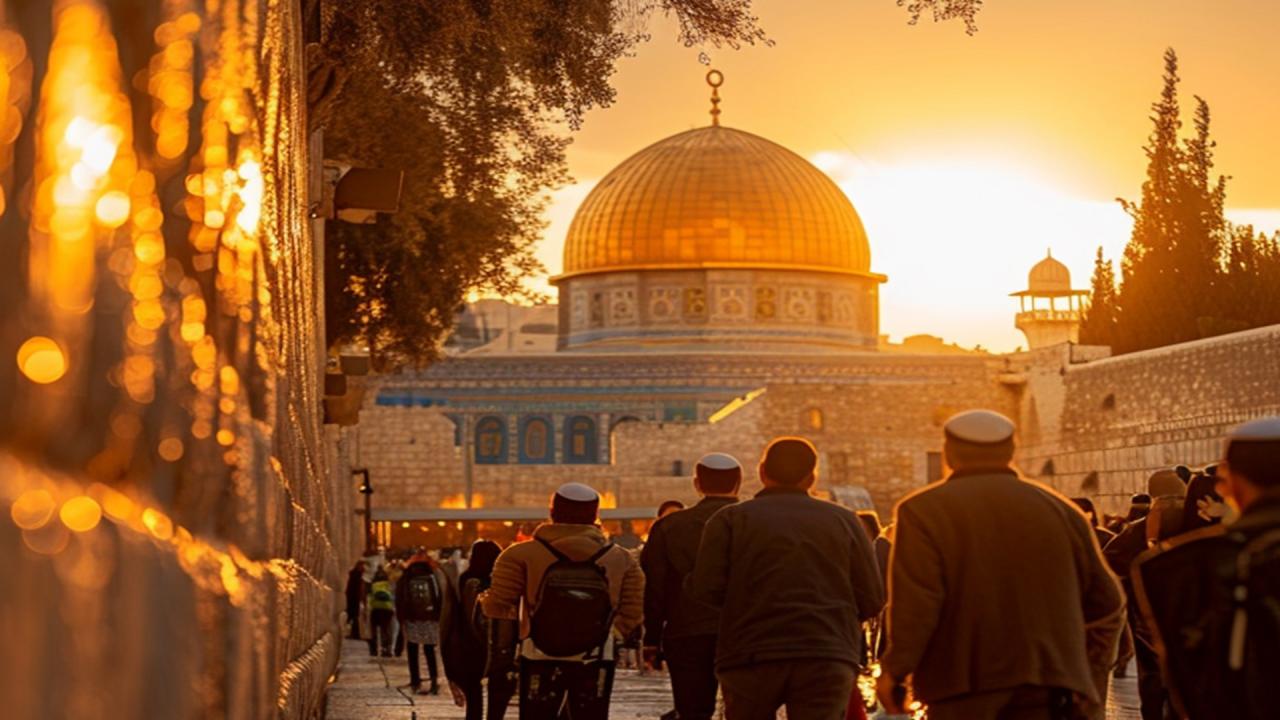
(987, 597)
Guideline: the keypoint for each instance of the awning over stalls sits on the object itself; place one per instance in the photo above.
(516, 514)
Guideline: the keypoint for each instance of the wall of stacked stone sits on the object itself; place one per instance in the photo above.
(1114, 421)
(171, 525)
(879, 435)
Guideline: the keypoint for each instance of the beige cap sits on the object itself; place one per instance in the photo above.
(1165, 483)
(979, 427)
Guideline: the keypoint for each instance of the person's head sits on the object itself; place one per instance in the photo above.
(978, 440)
(717, 475)
(870, 523)
(1165, 519)
(1165, 483)
(789, 462)
(575, 504)
(1139, 506)
(669, 507)
(1086, 506)
(1251, 466)
(484, 553)
(1204, 506)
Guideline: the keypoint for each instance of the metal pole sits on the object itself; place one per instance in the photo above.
(368, 522)
(468, 452)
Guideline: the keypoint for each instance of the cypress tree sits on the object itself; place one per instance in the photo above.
(1098, 326)
(1171, 286)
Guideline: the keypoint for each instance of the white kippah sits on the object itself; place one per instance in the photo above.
(577, 492)
(719, 461)
(980, 427)
(1261, 430)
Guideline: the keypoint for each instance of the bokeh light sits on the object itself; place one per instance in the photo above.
(81, 513)
(41, 360)
(32, 509)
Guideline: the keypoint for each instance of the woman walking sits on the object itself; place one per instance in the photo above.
(470, 650)
(424, 601)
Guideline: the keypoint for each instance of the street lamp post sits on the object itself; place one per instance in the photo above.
(366, 489)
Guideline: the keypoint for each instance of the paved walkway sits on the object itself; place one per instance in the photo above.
(376, 689)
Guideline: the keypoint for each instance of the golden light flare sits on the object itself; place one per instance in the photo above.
(459, 501)
(32, 509)
(42, 360)
(80, 514)
(15, 93)
(83, 163)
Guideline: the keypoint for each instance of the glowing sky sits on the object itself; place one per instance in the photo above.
(966, 156)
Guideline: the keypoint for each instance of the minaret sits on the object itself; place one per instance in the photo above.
(1049, 310)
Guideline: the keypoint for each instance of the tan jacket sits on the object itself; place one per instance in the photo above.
(517, 575)
(996, 582)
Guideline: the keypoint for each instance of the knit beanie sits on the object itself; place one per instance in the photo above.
(575, 503)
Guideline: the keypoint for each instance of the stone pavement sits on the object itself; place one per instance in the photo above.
(369, 688)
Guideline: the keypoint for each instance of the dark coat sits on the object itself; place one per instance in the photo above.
(793, 576)
(1189, 593)
(667, 558)
(465, 645)
(355, 586)
(983, 560)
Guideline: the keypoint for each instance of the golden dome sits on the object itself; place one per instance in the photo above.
(716, 197)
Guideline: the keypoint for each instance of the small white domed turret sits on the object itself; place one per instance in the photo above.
(1049, 312)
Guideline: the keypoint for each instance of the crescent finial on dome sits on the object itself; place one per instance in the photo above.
(715, 79)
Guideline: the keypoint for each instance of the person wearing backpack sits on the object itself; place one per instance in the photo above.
(572, 591)
(1210, 595)
(468, 659)
(424, 600)
(382, 608)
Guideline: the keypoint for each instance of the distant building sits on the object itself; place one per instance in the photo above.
(1050, 310)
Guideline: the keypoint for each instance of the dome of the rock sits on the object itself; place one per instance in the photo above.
(716, 197)
(717, 239)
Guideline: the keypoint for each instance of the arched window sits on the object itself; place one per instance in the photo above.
(491, 441)
(580, 440)
(813, 419)
(535, 441)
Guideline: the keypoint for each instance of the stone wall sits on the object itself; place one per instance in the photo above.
(1108, 423)
(173, 542)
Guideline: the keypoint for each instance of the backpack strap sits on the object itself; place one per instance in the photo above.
(600, 553)
(552, 548)
(565, 558)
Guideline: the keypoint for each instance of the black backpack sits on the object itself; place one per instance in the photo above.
(424, 596)
(574, 612)
(1221, 638)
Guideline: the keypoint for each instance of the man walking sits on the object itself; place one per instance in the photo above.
(571, 589)
(681, 628)
(1210, 595)
(794, 577)
(1000, 605)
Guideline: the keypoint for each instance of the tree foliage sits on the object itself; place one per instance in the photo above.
(941, 10)
(1185, 262)
(1098, 326)
(471, 99)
